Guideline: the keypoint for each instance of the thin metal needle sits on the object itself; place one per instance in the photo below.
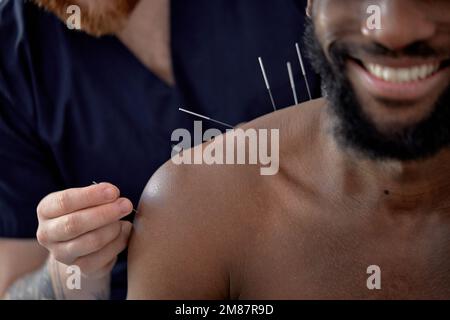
(303, 69)
(291, 79)
(266, 80)
(134, 210)
(206, 118)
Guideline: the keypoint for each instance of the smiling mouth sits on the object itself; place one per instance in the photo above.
(404, 75)
(410, 74)
(400, 79)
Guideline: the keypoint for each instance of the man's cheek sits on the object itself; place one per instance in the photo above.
(338, 19)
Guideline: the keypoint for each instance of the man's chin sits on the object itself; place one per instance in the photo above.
(393, 117)
(389, 129)
(393, 137)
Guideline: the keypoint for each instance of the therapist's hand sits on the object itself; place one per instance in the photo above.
(82, 227)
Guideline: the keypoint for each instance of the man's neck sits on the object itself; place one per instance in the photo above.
(407, 186)
(147, 35)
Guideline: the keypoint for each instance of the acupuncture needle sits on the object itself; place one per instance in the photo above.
(206, 118)
(291, 80)
(266, 80)
(134, 210)
(300, 59)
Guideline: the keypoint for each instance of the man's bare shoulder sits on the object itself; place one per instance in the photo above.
(202, 215)
(295, 123)
(216, 196)
(209, 189)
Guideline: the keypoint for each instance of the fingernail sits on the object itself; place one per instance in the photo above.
(125, 206)
(110, 193)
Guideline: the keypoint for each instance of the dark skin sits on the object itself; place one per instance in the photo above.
(312, 230)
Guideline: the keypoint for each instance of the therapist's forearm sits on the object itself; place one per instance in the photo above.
(19, 257)
(49, 283)
(37, 285)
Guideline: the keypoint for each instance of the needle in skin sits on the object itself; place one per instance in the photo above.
(300, 59)
(266, 80)
(206, 118)
(291, 80)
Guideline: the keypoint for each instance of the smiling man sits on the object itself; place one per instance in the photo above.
(363, 181)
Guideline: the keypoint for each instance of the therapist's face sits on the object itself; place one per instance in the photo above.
(389, 82)
(98, 17)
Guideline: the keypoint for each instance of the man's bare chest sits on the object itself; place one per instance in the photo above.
(326, 259)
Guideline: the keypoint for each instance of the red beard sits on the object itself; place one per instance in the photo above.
(97, 22)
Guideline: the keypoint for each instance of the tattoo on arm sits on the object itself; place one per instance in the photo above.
(35, 286)
(47, 284)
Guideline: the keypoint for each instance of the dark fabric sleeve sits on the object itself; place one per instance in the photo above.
(26, 173)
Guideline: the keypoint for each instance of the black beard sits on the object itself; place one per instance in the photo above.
(353, 127)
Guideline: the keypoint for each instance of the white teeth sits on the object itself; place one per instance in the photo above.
(402, 75)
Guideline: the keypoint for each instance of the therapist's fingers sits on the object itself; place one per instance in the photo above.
(73, 225)
(94, 241)
(67, 201)
(100, 263)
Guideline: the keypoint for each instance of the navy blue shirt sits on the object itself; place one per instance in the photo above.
(76, 109)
